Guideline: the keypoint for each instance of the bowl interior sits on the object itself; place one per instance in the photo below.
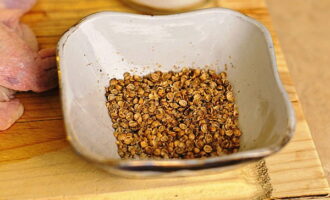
(105, 45)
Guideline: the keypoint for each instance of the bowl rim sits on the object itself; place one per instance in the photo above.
(175, 164)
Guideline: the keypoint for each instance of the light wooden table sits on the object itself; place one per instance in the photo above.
(37, 162)
(304, 33)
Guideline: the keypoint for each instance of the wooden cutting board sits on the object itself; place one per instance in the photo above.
(37, 162)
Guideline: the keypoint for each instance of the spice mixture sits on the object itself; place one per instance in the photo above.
(186, 114)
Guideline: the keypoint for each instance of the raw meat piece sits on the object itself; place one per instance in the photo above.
(10, 111)
(28, 36)
(6, 94)
(23, 5)
(22, 67)
(10, 12)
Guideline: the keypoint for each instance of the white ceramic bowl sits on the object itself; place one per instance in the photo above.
(107, 44)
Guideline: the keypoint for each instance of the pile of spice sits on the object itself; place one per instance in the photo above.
(186, 114)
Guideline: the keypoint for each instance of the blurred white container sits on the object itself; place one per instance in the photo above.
(165, 6)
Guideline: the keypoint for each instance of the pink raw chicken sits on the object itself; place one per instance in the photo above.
(9, 112)
(22, 66)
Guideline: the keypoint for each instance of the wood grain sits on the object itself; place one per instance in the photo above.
(37, 162)
(304, 35)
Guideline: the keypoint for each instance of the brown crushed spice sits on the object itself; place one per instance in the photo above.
(186, 114)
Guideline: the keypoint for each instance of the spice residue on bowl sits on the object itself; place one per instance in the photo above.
(186, 114)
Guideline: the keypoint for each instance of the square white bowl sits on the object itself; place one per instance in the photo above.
(107, 44)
